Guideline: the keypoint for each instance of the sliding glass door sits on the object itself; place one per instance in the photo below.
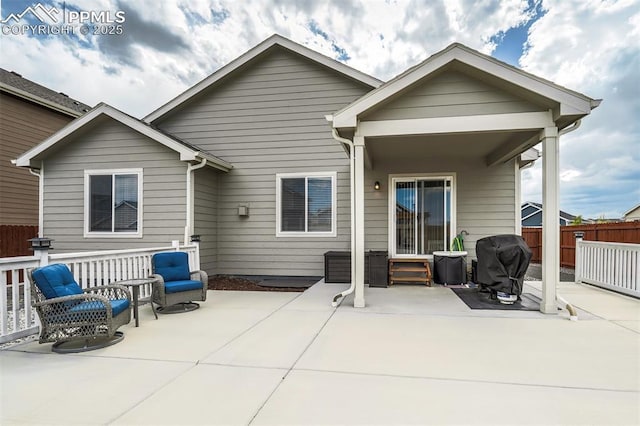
(422, 219)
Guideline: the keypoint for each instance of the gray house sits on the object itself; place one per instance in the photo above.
(284, 154)
(531, 214)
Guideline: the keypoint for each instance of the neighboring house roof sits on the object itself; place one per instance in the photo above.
(631, 210)
(274, 40)
(13, 83)
(188, 152)
(572, 104)
(537, 208)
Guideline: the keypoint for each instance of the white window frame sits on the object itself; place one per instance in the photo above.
(87, 188)
(392, 208)
(334, 207)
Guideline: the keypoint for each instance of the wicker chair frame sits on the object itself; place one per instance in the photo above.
(183, 298)
(84, 330)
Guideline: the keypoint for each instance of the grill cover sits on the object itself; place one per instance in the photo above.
(502, 262)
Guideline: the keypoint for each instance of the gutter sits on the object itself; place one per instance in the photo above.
(349, 144)
(188, 229)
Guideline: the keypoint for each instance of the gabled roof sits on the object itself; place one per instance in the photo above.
(274, 40)
(563, 215)
(631, 210)
(187, 151)
(13, 83)
(571, 102)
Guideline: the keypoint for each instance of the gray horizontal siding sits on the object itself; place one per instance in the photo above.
(269, 119)
(206, 216)
(485, 198)
(451, 94)
(111, 145)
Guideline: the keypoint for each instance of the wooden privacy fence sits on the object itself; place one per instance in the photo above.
(619, 232)
(14, 240)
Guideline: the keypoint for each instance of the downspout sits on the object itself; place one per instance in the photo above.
(348, 143)
(573, 313)
(188, 229)
(37, 172)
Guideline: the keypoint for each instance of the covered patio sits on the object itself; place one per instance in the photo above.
(443, 145)
(413, 355)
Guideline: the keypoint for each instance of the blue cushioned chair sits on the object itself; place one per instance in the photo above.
(176, 287)
(77, 320)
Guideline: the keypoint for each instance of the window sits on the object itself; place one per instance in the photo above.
(305, 204)
(423, 217)
(113, 205)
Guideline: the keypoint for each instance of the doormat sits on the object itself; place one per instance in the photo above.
(475, 299)
(291, 282)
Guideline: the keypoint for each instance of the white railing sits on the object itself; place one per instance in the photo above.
(17, 319)
(90, 269)
(614, 266)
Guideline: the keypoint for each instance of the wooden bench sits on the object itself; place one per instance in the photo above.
(409, 271)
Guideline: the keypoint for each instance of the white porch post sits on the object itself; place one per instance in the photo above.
(358, 194)
(550, 221)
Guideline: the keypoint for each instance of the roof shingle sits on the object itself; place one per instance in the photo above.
(15, 80)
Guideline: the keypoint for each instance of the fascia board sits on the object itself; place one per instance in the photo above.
(248, 56)
(215, 162)
(570, 101)
(348, 116)
(24, 160)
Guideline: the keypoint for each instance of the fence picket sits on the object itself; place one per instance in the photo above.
(89, 269)
(620, 232)
(613, 266)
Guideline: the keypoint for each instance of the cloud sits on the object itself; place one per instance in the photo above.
(167, 46)
(137, 31)
(594, 48)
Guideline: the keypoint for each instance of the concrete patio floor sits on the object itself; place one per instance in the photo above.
(414, 355)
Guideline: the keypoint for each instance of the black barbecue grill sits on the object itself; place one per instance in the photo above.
(502, 263)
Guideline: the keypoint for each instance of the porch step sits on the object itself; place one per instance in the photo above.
(409, 270)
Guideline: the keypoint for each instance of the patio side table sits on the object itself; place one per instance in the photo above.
(135, 284)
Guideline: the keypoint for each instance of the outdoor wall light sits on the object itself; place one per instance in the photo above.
(40, 243)
(195, 238)
(376, 186)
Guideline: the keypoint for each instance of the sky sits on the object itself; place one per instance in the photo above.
(592, 47)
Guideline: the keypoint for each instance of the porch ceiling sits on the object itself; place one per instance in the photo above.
(446, 146)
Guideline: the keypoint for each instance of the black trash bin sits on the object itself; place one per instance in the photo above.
(337, 267)
(450, 267)
(378, 269)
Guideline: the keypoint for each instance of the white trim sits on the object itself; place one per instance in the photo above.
(251, 54)
(518, 195)
(539, 210)
(41, 201)
(392, 179)
(550, 223)
(334, 207)
(630, 210)
(112, 172)
(186, 153)
(463, 124)
(569, 100)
